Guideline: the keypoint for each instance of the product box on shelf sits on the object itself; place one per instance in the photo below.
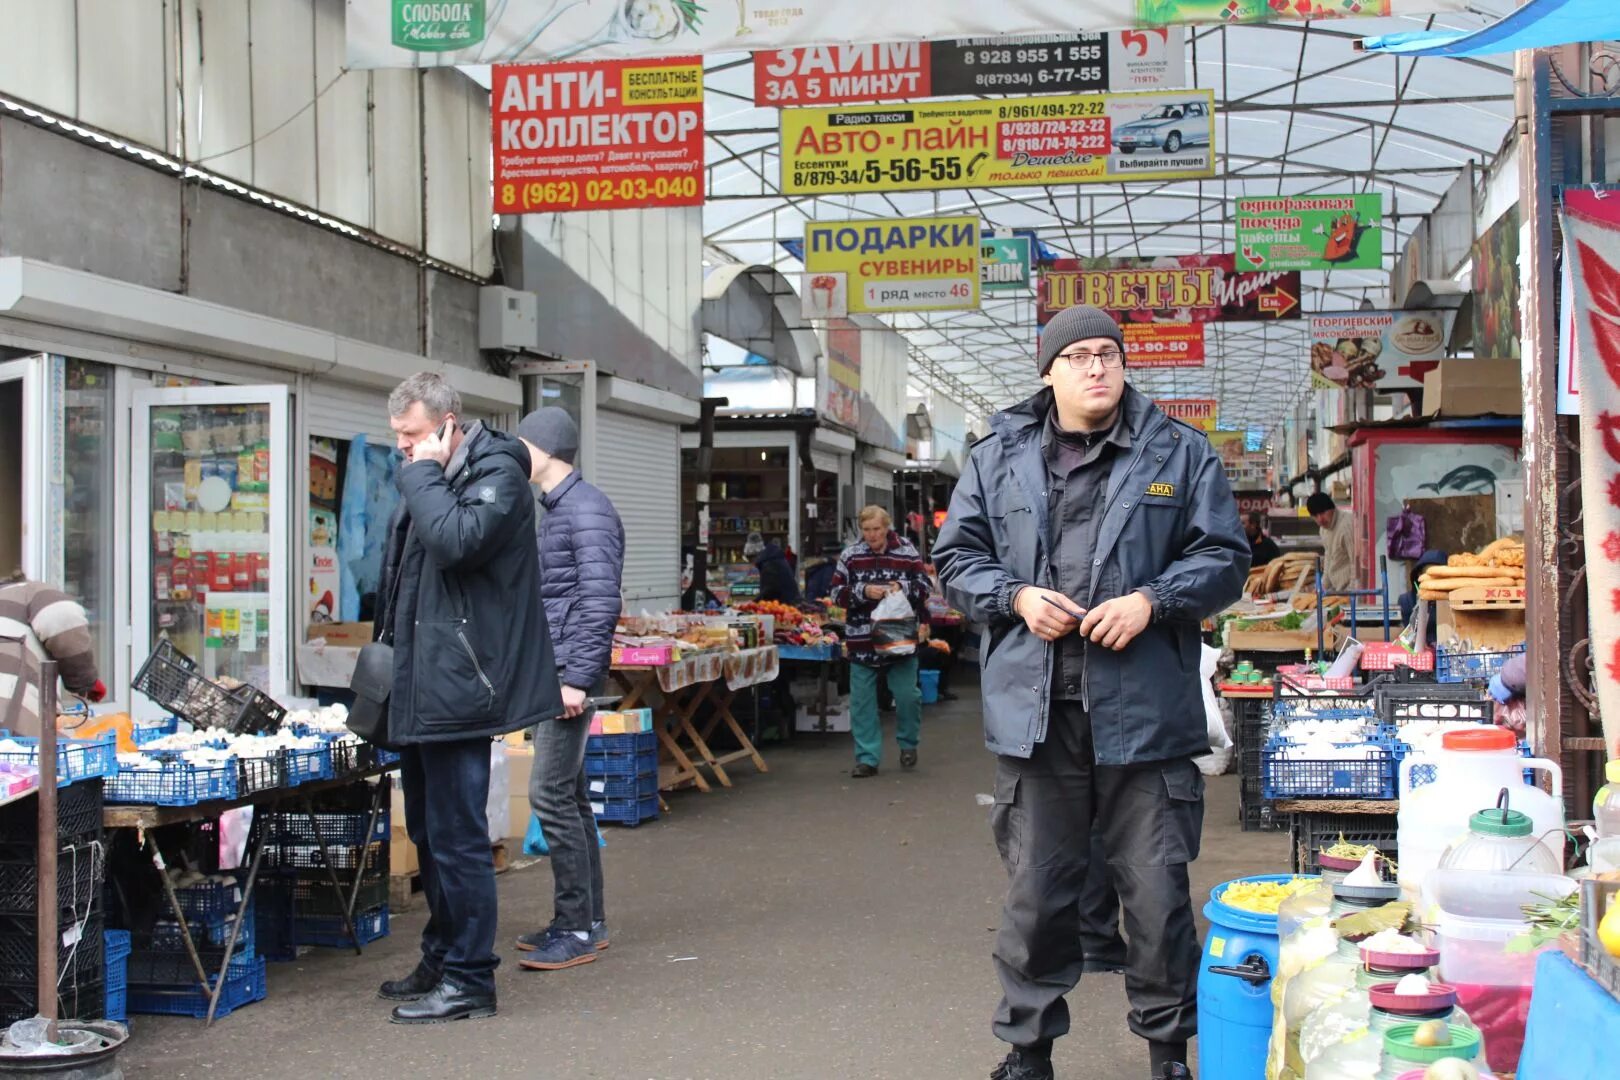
(342, 634)
(629, 722)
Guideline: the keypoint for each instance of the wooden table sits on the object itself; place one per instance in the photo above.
(686, 685)
(143, 818)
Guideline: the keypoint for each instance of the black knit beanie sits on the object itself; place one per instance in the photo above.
(1072, 325)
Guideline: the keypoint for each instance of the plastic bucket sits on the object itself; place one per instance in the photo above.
(928, 681)
(1234, 988)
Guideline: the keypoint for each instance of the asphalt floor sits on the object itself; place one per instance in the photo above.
(799, 926)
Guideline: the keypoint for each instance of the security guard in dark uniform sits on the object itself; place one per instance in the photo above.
(1092, 534)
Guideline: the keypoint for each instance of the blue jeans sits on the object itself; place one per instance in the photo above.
(864, 722)
(560, 797)
(446, 787)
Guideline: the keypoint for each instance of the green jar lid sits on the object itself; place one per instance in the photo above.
(1494, 822)
(1398, 1044)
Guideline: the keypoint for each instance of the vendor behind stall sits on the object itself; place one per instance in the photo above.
(1262, 548)
(1338, 542)
(776, 578)
(818, 579)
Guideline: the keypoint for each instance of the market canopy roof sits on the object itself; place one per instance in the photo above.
(1536, 25)
(1299, 112)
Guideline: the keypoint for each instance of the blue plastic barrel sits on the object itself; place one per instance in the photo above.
(929, 683)
(1234, 988)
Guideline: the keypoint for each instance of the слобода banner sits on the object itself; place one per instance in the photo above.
(600, 136)
(1010, 142)
(895, 264)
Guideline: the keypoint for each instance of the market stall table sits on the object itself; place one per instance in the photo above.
(825, 657)
(685, 685)
(143, 818)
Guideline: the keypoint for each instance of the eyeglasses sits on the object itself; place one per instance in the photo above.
(1111, 359)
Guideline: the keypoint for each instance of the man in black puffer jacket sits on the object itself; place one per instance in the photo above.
(472, 661)
(581, 564)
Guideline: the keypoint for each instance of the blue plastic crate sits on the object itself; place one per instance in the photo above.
(164, 967)
(328, 930)
(189, 1000)
(178, 783)
(630, 812)
(621, 765)
(153, 730)
(1372, 778)
(117, 1006)
(206, 934)
(1454, 666)
(619, 788)
(1324, 707)
(116, 966)
(387, 757)
(76, 759)
(639, 743)
(209, 902)
(117, 944)
(307, 766)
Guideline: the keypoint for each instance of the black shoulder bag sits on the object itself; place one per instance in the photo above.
(373, 678)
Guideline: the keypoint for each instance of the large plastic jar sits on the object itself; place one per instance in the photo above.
(1333, 1040)
(1501, 840)
(1306, 938)
(1606, 806)
(1401, 1056)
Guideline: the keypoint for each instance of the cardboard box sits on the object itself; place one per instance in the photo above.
(352, 634)
(630, 722)
(401, 852)
(518, 812)
(1456, 388)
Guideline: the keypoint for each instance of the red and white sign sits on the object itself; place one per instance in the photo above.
(1150, 345)
(607, 135)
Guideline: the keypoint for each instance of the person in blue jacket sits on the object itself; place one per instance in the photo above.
(1091, 534)
(581, 546)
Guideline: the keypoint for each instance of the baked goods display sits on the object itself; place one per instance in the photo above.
(1498, 565)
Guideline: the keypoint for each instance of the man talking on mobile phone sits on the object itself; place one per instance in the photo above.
(472, 661)
(1091, 534)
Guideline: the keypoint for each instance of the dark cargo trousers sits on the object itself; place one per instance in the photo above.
(1150, 818)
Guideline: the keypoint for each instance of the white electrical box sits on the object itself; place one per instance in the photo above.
(508, 318)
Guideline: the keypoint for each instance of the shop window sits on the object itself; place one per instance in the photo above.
(83, 550)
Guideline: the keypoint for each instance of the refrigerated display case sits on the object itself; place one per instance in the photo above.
(211, 503)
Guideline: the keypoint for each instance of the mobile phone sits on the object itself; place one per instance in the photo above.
(446, 428)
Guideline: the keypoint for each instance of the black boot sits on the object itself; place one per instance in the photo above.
(1025, 1063)
(1167, 1061)
(447, 1002)
(413, 987)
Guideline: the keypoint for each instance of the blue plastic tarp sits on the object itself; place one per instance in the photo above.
(1538, 24)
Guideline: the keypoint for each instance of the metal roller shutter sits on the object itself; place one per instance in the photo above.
(878, 485)
(638, 464)
(342, 411)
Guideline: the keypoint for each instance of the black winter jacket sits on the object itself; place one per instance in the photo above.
(581, 566)
(472, 656)
(1169, 524)
(776, 578)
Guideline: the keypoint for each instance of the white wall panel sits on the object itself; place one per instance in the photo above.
(218, 89)
(283, 83)
(39, 54)
(396, 186)
(122, 74)
(481, 205)
(342, 130)
(447, 159)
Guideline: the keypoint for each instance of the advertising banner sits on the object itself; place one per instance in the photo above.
(1004, 263)
(430, 33)
(1364, 350)
(1163, 303)
(1311, 232)
(895, 264)
(1042, 64)
(1496, 289)
(1231, 12)
(1199, 412)
(842, 402)
(1250, 502)
(1007, 142)
(599, 136)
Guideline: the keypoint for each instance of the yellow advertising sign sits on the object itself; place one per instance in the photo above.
(1199, 412)
(1000, 142)
(895, 264)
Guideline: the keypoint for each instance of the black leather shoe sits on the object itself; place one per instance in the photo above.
(445, 1003)
(1174, 1070)
(1024, 1065)
(862, 771)
(413, 987)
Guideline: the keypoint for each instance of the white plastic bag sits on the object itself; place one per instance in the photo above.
(1219, 758)
(496, 806)
(894, 626)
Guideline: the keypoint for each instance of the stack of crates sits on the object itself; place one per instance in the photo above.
(621, 774)
(162, 978)
(81, 870)
(297, 905)
(1249, 719)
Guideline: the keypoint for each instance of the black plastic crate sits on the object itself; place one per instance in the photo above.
(256, 774)
(171, 679)
(1311, 832)
(78, 814)
(155, 967)
(1257, 815)
(1468, 707)
(77, 960)
(80, 871)
(342, 857)
(84, 1000)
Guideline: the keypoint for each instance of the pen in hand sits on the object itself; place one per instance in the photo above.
(1075, 615)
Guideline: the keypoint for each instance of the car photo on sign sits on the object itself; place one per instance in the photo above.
(1161, 132)
(1171, 127)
